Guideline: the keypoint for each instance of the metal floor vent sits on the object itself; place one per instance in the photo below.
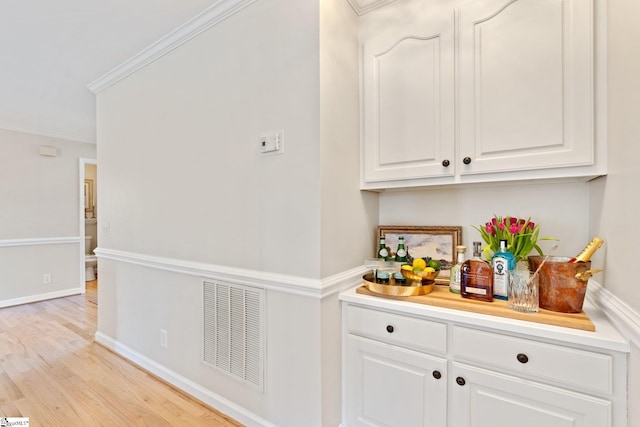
(233, 331)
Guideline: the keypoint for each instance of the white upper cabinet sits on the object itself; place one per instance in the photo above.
(526, 85)
(487, 91)
(408, 104)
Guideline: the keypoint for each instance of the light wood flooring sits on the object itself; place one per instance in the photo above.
(52, 372)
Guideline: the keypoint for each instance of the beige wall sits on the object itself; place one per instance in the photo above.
(40, 205)
(614, 199)
(181, 178)
(193, 119)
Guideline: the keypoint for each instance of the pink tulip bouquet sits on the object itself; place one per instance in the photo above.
(521, 236)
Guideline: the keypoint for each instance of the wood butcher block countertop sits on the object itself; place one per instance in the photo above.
(442, 297)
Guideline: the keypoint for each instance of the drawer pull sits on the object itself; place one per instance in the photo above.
(446, 163)
(437, 375)
(522, 358)
(460, 381)
(466, 160)
(390, 329)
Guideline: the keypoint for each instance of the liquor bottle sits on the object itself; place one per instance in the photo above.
(588, 251)
(504, 264)
(383, 252)
(454, 281)
(476, 277)
(401, 253)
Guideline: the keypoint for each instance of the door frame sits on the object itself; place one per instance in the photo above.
(82, 163)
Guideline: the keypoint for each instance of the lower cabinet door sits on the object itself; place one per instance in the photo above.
(482, 398)
(390, 386)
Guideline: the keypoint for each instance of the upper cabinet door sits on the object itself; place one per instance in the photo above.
(526, 94)
(408, 107)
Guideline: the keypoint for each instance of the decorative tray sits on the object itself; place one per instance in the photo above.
(393, 289)
(440, 296)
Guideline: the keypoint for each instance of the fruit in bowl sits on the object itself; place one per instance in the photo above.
(419, 271)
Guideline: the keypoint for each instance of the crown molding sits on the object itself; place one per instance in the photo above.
(46, 132)
(216, 13)
(362, 7)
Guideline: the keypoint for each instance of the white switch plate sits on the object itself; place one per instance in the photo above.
(271, 142)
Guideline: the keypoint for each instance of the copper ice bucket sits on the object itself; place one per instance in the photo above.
(563, 285)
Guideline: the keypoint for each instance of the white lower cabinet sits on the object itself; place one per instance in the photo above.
(392, 386)
(442, 368)
(483, 398)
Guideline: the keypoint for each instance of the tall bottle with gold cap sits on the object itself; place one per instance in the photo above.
(588, 251)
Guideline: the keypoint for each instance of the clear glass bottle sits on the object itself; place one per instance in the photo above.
(383, 252)
(476, 277)
(504, 265)
(401, 253)
(454, 280)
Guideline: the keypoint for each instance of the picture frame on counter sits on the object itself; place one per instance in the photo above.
(435, 242)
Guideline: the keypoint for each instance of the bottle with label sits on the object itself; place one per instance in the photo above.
(383, 252)
(504, 265)
(401, 253)
(588, 251)
(454, 281)
(476, 277)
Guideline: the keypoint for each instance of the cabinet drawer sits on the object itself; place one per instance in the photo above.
(396, 329)
(580, 369)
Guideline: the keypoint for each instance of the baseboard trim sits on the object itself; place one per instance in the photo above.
(40, 297)
(626, 319)
(315, 288)
(8, 243)
(199, 392)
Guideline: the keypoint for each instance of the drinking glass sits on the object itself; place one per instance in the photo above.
(523, 292)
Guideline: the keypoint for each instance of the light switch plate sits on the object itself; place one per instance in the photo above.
(271, 142)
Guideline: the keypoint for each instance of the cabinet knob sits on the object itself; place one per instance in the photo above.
(466, 160)
(446, 163)
(522, 358)
(390, 329)
(437, 375)
(460, 381)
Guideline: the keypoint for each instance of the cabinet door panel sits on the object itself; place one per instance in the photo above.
(489, 399)
(391, 386)
(408, 115)
(526, 84)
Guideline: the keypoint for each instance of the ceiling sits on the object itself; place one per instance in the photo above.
(51, 51)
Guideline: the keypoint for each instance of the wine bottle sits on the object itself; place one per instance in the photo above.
(588, 251)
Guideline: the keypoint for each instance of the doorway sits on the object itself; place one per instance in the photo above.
(87, 213)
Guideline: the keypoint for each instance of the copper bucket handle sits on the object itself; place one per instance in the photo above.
(585, 275)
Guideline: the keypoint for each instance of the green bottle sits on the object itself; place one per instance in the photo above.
(383, 252)
(401, 253)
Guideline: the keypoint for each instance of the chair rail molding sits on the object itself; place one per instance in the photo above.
(625, 318)
(9, 243)
(317, 288)
(214, 14)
